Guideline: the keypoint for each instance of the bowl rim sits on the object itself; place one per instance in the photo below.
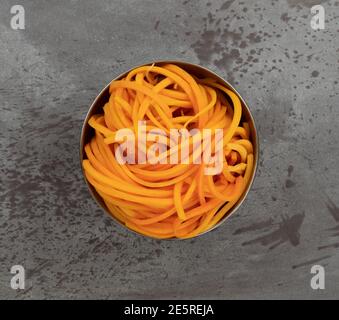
(181, 63)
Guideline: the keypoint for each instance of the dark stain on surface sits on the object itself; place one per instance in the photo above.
(332, 245)
(40, 267)
(204, 47)
(233, 37)
(253, 38)
(289, 183)
(333, 209)
(290, 170)
(255, 226)
(335, 230)
(227, 58)
(158, 252)
(23, 293)
(315, 74)
(210, 18)
(243, 44)
(310, 262)
(284, 17)
(288, 231)
(304, 3)
(226, 5)
(156, 25)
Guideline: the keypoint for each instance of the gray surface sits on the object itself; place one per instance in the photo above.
(288, 74)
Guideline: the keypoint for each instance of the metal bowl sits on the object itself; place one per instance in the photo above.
(97, 107)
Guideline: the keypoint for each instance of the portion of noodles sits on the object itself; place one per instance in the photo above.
(166, 199)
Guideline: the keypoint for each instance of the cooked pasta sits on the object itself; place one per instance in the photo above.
(165, 199)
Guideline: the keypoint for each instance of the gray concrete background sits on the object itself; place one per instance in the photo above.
(287, 72)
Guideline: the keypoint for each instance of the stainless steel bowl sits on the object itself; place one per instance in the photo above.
(97, 107)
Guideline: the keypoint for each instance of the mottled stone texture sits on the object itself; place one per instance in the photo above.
(287, 72)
